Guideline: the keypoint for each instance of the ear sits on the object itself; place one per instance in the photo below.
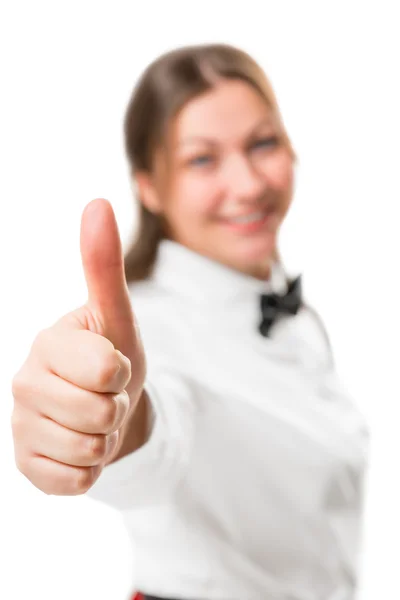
(147, 192)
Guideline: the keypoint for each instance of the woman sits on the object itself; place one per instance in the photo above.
(228, 444)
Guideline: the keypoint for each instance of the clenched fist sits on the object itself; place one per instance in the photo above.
(77, 392)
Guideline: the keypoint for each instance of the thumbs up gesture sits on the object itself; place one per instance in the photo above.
(78, 389)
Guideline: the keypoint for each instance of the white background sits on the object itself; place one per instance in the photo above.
(67, 70)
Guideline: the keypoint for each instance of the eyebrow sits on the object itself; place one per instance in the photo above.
(204, 139)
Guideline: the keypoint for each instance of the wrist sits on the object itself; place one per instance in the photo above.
(135, 430)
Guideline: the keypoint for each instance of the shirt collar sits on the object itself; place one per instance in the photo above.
(192, 274)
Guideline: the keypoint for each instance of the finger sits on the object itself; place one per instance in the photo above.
(86, 359)
(44, 437)
(103, 264)
(73, 407)
(56, 478)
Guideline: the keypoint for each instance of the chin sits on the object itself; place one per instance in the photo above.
(254, 259)
(258, 251)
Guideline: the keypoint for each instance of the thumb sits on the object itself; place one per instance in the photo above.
(109, 303)
(103, 265)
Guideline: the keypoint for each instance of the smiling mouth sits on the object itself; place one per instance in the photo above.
(253, 218)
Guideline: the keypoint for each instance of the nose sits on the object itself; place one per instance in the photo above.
(243, 180)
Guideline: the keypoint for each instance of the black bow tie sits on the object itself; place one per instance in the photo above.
(272, 305)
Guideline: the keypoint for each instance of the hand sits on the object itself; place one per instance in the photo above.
(83, 376)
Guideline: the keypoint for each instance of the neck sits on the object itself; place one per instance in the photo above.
(261, 271)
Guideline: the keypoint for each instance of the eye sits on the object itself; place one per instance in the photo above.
(265, 142)
(201, 160)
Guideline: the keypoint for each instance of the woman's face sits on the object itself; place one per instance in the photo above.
(228, 183)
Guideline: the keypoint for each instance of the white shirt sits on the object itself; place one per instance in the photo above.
(250, 485)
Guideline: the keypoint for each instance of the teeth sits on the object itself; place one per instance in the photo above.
(249, 218)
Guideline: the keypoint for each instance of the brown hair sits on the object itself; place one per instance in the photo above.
(164, 88)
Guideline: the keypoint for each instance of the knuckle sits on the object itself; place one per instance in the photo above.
(126, 369)
(122, 403)
(82, 480)
(17, 423)
(41, 339)
(19, 385)
(106, 415)
(108, 369)
(95, 447)
(22, 464)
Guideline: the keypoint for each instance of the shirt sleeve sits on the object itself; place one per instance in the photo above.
(149, 474)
